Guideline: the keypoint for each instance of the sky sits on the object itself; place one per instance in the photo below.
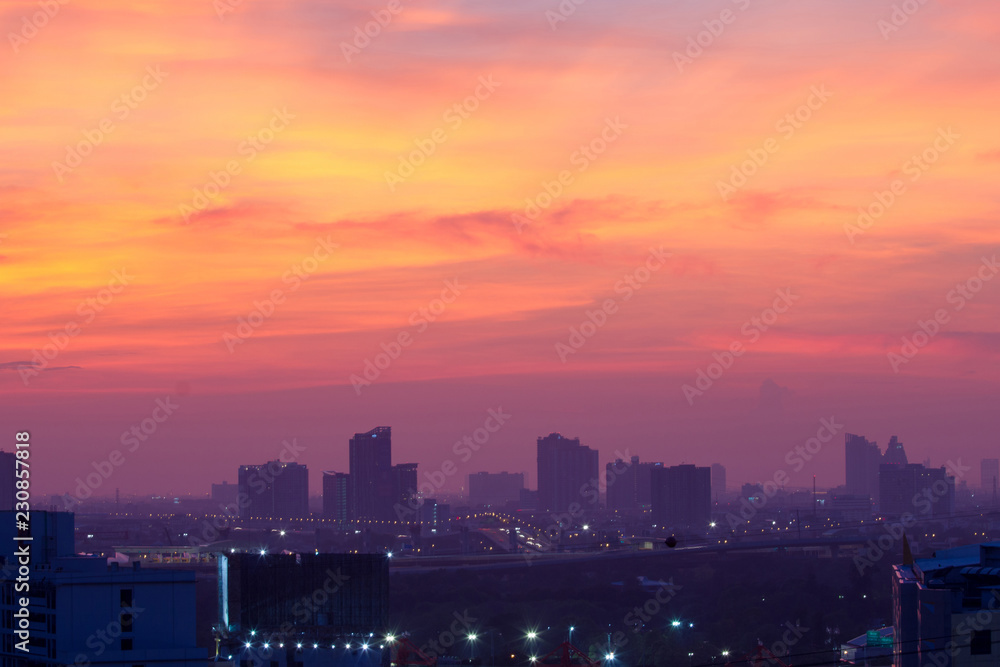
(684, 230)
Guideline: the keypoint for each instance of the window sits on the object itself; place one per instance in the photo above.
(127, 644)
(126, 597)
(982, 642)
(126, 621)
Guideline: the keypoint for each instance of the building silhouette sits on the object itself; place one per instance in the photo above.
(682, 496)
(336, 490)
(916, 489)
(404, 487)
(862, 458)
(629, 484)
(495, 489)
(718, 481)
(371, 483)
(895, 454)
(567, 475)
(276, 490)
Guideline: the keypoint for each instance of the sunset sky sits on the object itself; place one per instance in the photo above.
(170, 168)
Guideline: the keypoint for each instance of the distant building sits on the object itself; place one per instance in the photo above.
(528, 499)
(621, 478)
(275, 489)
(944, 608)
(84, 611)
(718, 481)
(846, 507)
(682, 496)
(404, 487)
(434, 513)
(225, 493)
(336, 490)
(7, 479)
(629, 484)
(915, 489)
(567, 474)
(895, 454)
(862, 459)
(372, 488)
(495, 489)
(989, 479)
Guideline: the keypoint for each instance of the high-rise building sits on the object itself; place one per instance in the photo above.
(682, 496)
(7, 479)
(495, 489)
(371, 486)
(718, 481)
(989, 479)
(567, 475)
(275, 489)
(894, 453)
(862, 459)
(915, 489)
(336, 491)
(622, 479)
(404, 486)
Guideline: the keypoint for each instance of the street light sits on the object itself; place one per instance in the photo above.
(571, 629)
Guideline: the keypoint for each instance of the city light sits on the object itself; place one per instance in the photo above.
(725, 652)
(364, 647)
(675, 624)
(532, 635)
(609, 656)
(390, 638)
(472, 637)
(263, 552)
(282, 533)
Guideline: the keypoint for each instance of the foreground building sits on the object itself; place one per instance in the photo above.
(946, 609)
(83, 611)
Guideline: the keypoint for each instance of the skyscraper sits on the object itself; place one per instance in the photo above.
(567, 474)
(894, 453)
(404, 487)
(622, 479)
(682, 496)
(275, 489)
(718, 481)
(862, 459)
(371, 482)
(336, 490)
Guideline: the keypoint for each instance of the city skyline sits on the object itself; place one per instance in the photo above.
(826, 219)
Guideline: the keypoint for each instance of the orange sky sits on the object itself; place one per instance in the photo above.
(116, 115)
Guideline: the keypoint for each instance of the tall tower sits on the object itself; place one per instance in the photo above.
(567, 475)
(862, 459)
(371, 479)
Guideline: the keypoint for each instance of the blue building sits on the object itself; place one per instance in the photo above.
(946, 609)
(84, 611)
